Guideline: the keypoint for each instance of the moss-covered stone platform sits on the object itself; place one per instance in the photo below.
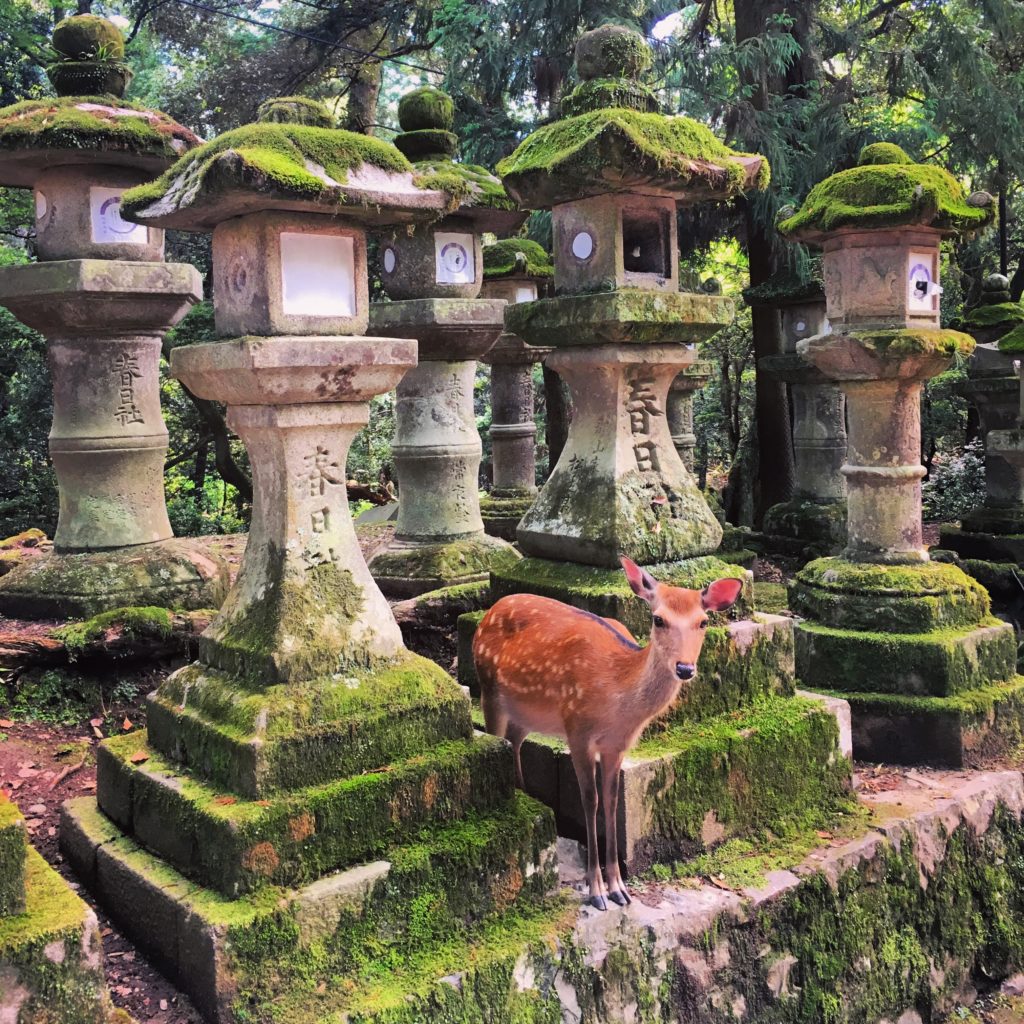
(909, 910)
(929, 673)
(501, 513)
(51, 969)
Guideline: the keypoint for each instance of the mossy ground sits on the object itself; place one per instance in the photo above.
(12, 859)
(136, 622)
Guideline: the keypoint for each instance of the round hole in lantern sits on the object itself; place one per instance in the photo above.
(583, 245)
(390, 261)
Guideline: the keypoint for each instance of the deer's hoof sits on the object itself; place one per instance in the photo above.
(620, 897)
(598, 902)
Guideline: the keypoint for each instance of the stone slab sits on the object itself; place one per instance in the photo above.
(970, 730)
(169, 574)
(907, 908)
(444, 328)
(939, 664)
(51, 956)
(236, 845)
(989, 547)
(685, 789)
(209, 945)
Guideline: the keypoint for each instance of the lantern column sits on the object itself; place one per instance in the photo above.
(911, 644)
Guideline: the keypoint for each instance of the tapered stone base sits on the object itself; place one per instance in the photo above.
(224, 952)
(503, 511)
(168, 574)
(410, 567)
(973, 729)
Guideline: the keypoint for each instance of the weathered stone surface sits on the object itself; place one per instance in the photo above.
(168, 574)
(446, 329)
(620, 487)
(679, 409)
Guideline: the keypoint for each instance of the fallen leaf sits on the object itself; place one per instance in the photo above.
(225, 801)
(5, 723)
(97, 732)
(823, 834)
(95, 722)
(126, 724)
(659, 501)
(139, 757)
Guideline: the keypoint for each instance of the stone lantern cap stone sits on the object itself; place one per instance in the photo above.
(39, 134)
(614, 140)
(999, 314)
(888, 190)
(426, 116)
(517, 257)
(280, 165)
(88, 122)
(785, 289)
(1012, 343)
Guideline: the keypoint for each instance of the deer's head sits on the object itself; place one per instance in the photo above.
(680, 617)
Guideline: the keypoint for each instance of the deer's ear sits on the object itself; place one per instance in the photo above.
(641, 582)
(718, 596)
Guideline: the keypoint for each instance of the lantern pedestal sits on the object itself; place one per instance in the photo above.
(814, 522)
(439, 535)
(306, 744)
(929, 673)
(104, 321)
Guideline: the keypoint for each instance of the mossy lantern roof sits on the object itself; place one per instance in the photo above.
(426, 116)
(516, 257)
(87, 122)
(888, 190)
(287, 161)
(615, 141)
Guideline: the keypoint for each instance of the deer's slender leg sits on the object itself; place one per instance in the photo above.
(515, 734)
(495, 715)
(611, 766)
(585, 763)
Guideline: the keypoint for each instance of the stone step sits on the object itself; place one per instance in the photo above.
(898, 920)
(741, 662)
(257, 740)
(51, 955)
(939, 663)
(235, 845)
(226, 953)
(687, 788)
(969, 730)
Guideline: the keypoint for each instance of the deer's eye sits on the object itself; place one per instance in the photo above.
(659, 621)
(703, 624)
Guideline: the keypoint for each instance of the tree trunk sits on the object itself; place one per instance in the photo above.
(364, 88)
(556, 425)
(199, 470)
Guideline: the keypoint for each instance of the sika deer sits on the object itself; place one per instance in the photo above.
(547, 667)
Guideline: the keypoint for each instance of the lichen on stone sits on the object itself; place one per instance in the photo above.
(501, 259)
(93, 123)
(426, 108)
(885, 192)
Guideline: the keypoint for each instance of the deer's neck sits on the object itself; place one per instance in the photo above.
(657, 684)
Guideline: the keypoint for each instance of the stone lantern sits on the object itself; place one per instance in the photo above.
(434, 276)
(929, 674)
(306, 740)
(613, 171)
(680, 409)
(103, 297)
(814, 521)
(516, 270)
(994, 531)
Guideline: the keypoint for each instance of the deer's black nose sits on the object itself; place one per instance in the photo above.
(684, 671)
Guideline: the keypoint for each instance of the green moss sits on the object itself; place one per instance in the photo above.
(85, 122)
(603, 93)
(426, 108)
(427, 144)
(817, 528)
(1013, 341)
(771, 598)
(266, 154)
(578, 152)
(260, 739)
(882, 153)
(235, 845)
(890, 598)
(941, 662)
(501, 258)
(996, 315)
(133, 622)
(88, 37)
(443, 564)
(296, 110)
(784, 288)
(887, 194)
(13, 844)
(467, 185)
(612, 51)
(916, 341)
(107, 78)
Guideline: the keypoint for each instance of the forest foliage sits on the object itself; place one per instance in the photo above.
(807, 84)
